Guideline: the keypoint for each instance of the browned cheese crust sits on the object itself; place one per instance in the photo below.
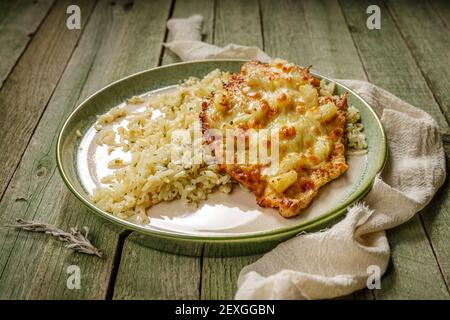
(311, 127)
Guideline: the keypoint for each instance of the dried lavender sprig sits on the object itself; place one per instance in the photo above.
(76, 240)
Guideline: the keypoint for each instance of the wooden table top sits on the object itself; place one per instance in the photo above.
(47, 69)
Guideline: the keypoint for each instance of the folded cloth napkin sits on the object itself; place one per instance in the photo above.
(340, 260)
(185, 41)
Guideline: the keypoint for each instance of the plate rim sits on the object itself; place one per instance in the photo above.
(249, 237)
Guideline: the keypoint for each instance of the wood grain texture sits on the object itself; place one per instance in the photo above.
(311, 33)
(442, 9)
(237, 21)
(19, 20)
(428, 42)
(5, 8)
(388, 60)
(36, 185)
(436, 218)
(123, 37)
(142, 38)
(220, 273)
(34, 266)
(24, 96)
(333, 52)
(389, 64)
(146, 273)
(413, 272)
(184, 9)
(284, 24)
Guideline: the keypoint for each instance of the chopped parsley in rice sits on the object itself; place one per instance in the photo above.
(151, 176)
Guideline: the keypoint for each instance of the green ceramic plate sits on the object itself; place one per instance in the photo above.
(233, 219)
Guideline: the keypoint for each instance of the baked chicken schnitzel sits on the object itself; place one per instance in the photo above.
(309, 124)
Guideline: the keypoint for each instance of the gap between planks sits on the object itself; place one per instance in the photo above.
(89, 67)
(12, 173)
(123, 236)
(24, 49)
(445, 114)
(422, 72)
(118, 254)
(116, 263)
(166, 34)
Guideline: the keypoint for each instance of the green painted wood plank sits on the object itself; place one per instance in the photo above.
(436, 218)
(184, 9)
(33, 266)
(220, 273)
(18, 22)
(333, 52)
(146, 273)
(5, 8)
(389, 63)
(143, 37)
(442, 9)
(429, 42)
(28, 89)
(301, 32)
(284, 23)
(387, 59)
(237, 21)
(413, 272)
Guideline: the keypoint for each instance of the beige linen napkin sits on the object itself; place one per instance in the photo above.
(185, 41)
(340, 260)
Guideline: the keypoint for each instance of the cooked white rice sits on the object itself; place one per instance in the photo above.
(356, 139)
(151, 176)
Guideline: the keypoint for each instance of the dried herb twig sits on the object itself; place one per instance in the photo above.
(76, 240)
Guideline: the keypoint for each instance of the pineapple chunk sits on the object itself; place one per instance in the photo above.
(322, 148)
(328, 112)
(283, 181)
(309, 94)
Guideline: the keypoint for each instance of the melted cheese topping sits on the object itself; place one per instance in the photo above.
(286, 99)
(280, 97)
